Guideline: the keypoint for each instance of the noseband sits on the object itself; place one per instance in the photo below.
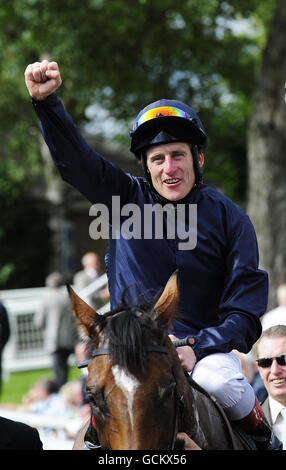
(179, 398)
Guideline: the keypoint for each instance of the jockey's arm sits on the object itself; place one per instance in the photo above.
(78, 163)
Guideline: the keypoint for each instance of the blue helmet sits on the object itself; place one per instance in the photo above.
(166, 121)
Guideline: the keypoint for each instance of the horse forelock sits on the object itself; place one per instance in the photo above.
(127, 330)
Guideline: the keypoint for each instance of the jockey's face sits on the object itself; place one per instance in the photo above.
(274, 377)
(171, 168)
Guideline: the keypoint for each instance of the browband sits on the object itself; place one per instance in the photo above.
(105, 352)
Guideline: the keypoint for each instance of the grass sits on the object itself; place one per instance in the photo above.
(18, 383)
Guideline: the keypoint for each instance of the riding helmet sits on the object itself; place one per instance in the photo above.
(166, 121)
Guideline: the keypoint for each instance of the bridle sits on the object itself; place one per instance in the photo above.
(178, 398)
(179, 406)
(106, 352)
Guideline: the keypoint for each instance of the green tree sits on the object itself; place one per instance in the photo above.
(266, 154)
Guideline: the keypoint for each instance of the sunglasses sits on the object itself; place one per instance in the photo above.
(162, 111)
(267, 361)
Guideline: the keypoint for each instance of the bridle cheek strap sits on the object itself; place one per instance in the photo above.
(179, 408)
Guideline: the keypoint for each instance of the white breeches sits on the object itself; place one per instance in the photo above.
(220, 375)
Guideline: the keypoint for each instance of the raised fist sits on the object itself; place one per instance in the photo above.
(42, 79)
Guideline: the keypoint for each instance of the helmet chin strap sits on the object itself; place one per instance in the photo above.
(197, 169)
(198, 177)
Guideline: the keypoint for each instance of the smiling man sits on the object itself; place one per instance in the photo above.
(171, 169)
(222, 290)
(271, 353)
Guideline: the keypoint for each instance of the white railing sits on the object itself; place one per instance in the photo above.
(25, 348)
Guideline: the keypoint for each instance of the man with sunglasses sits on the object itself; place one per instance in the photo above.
(222, 291)
(271, 353)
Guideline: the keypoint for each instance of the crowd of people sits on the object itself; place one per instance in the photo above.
(55, 315)
(56, 396)
(45, 400)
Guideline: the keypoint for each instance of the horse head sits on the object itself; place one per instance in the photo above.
(134, 373)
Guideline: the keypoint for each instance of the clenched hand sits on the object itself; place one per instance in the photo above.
(42, 79)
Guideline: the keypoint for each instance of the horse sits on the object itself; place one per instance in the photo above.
(140, 396)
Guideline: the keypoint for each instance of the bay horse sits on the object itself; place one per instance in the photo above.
(139, 394)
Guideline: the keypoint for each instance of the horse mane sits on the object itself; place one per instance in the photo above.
(129, 329)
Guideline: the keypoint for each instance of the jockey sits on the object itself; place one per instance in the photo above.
(222, 291)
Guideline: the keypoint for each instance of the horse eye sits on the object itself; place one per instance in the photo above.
(91, 398)
(97, 400)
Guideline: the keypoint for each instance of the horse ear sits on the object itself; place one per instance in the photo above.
(86, 315)
(166, 305)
